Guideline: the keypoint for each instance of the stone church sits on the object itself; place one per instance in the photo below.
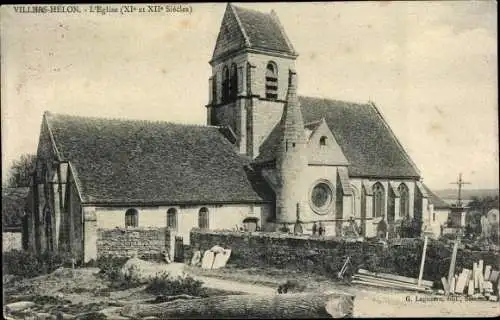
(266, 158)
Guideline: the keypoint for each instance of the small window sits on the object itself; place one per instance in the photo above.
(322, 141)
(271, 81)
(203, 218)
(433, 215)
(131, 218)
(172, 219)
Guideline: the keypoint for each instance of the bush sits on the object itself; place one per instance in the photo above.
(28, 264)
(111, 269)
(162, 284)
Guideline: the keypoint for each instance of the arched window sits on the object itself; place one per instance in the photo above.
(271, 81)
(378, 200)
(233, 83)
(203, 218)
(322, 141)
(355, 195)
(404, 202)
(214, 89)
(172, 218)
(131, 218)
(225, 84)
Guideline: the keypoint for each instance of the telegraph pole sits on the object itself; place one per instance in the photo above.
(460, 183)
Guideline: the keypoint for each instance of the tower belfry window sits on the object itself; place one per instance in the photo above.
(271, 81)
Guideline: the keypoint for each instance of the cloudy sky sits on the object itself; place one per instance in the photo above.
(431, 67)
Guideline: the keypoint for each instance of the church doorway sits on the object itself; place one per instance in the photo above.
(250, 224)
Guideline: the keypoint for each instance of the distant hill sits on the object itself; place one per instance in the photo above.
(467, 194)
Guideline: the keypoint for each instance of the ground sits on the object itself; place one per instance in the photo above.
(82, 290)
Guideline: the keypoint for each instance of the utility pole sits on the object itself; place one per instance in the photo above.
(460, 183)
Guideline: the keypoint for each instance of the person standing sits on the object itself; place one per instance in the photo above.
(314, 228)
(321, 230)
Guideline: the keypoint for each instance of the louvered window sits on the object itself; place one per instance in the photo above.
(271, 81)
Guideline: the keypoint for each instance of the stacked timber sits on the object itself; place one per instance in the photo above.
(391, 281)
(478, 282)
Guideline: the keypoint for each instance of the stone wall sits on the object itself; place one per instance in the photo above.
(327, 255)
(147, 243)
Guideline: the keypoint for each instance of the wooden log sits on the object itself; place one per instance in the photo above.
(262, 306)
(395, 277)
(422, 263)
(487, 272)
(446, 285)
(388, 283)
(451, 271)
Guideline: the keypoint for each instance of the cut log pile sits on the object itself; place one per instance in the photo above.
(478, 282)
(391, 281)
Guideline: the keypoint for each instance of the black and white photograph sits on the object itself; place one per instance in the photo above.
(267, 160)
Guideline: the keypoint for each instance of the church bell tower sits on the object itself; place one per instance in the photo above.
(249, 82)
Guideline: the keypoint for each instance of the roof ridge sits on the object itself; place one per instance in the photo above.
(335, 100)
(52, 115)
(240, 25)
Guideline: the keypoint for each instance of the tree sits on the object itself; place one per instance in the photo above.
(478, 207)
(20, 170)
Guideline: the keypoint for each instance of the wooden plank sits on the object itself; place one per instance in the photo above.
(480, 280)
(493, 276)
(471, 288)
(446, 285)
(474, 273)
(451, 272)
(452, 285)
(395, 277)
(422, 263)
(476, 277)
(384, 286)
(481, 266)
(462, 281)
(487, 272)
(393, 282)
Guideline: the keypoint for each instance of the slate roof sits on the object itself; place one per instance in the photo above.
(436, 200)
(368, 143)
(263, 31)
(125, 161)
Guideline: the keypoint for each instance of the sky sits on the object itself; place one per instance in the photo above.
(430, 67)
